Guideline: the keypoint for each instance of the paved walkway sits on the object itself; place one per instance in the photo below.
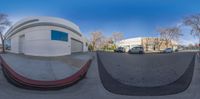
(45, 68)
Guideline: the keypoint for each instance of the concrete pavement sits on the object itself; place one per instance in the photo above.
(92, 88)
(45, 68)
(44, 73)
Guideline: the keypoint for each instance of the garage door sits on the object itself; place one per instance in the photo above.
(76, 46)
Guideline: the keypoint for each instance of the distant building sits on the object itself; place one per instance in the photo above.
(45, 36)
(149, 43)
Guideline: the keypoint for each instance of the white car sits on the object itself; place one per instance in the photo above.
(136, 50)
(168, 50)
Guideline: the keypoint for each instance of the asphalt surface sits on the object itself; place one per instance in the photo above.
(92, 88)
(146, 70)
(128, 76)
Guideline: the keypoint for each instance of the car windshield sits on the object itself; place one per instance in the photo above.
(100, 49)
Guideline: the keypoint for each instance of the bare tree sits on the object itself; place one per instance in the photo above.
(169, 34)
(117, 36)
(107, 43)
(157, 43)
(194, 22)
(96, 39)
(4, 22)
(100, 42)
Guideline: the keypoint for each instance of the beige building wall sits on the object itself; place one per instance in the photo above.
(157, 44)
(149, 43)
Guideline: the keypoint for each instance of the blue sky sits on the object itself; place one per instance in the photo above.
(131, 17)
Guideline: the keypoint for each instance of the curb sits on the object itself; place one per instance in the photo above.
(22, 81)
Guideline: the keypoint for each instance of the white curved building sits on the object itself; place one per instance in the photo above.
(45, 36)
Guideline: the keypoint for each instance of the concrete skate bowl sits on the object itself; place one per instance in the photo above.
(39, 73)
(146, 75)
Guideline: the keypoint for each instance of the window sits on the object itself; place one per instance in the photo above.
(58, 35)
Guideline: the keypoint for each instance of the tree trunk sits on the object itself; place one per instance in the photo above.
(170, 43)
(159, 45)
(167, 44)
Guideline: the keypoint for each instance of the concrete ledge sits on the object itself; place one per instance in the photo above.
(43, 85)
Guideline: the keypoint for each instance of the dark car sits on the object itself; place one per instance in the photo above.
(120, 50)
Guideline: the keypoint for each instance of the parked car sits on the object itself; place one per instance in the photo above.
(168, 50)
(120, 50)
(136, 50)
